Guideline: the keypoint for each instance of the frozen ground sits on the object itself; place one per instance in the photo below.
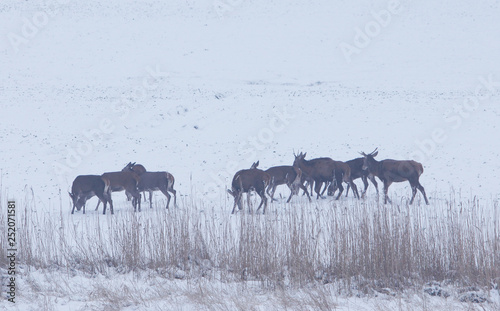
(204, 88)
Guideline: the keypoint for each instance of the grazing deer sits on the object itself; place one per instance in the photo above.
(245, 181)
(138, 169)
(325, 170)
(284, 175)
(119, 181)
(389, 171)
(356, 166)
(85, 187)
(153, 181)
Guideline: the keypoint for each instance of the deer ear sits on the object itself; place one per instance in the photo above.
(304, 155)
(257, 164)
(375, 154)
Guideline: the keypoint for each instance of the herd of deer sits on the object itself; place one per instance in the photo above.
(327, 172)
(133, 178)
(323, 173)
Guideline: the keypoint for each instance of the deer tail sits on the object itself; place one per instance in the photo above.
(170, 180)
(347, 174)
(268, 182)
(107, 189)
(420, 169)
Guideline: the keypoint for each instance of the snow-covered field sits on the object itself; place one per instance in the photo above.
(204, 88)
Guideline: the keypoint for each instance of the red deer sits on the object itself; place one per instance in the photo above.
(356, 166)
(153, 181)
(285, 174)
(85, 187)
(389, 171)
(245, 181)
(128, 181)
(325, 170)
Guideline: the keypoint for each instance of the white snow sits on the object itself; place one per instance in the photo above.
(204, 88)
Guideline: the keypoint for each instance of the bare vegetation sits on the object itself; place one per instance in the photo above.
(361, 246)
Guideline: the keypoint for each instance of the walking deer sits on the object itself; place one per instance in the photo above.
(389, 171)
(153, 181)
(244, 181)
(356, 166)
(285, 175)
(119, 181)
(325, 170)
(85, 187)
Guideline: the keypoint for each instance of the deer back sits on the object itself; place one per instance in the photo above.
(356, 166)
(121, 180)
(155, 180)
(397, 170)
(246, 180)
(88, 183)
(282, 174)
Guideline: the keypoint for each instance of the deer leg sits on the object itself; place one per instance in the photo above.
(269, 188)
(263, 200)
(301, 186)
(136, 201)
(414, 192)
(111, 206)
(272, 193)
(374, 182)
(341, 189)
(168, 198)
(290, 197)
(332, 188)
(354, 188)
(150, 197)
(347, 190)
(175, 196)
(292, 191)
(248, 201)
(307, 185)
(386, 189)
(324, 189)
(236, 200)
(422, 190)
(365, 183)
(317, 188)
(97, 207)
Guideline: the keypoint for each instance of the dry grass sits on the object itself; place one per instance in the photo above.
(361, 246)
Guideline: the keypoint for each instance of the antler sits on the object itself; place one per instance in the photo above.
(374, 151)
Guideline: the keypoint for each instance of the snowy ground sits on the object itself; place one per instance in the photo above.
(204, 88)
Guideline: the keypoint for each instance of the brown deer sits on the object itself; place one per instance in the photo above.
(85, 187)
(119, 181)
(153, 181)
(285, 175)
(325, 170)
(245, 181)
(389, 171)
(138, 169)
(356, 166)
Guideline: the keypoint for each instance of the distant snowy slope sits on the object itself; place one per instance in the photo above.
(204, 88)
